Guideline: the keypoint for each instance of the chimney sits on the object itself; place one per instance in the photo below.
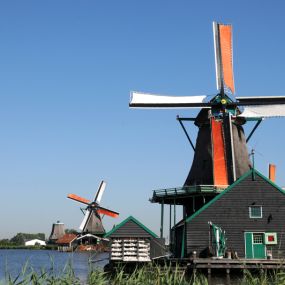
(272, 171)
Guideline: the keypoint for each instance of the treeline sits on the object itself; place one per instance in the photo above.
(19, 240)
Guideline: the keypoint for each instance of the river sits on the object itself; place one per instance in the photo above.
(13, 260)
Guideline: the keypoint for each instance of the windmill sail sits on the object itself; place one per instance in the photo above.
(107, 212)
(144, 100)
(100, 192)
(263, 111)
(262, 106)
(260, 100)
(78, 199)
(85, 219)
(224, 56)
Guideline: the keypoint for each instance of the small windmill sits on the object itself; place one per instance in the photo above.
(221, 154)
(92, 221)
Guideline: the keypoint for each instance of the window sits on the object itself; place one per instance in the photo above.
(258, 238)
(255, 212)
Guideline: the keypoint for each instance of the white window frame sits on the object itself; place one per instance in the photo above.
(250, 212)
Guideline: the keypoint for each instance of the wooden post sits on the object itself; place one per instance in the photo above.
(228, 277)
(170, 225)
(209, 279)
(161, 219)
(174, 212)
(184, 238)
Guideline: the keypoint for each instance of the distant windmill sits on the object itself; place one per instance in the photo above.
(221, 154)
(92, 221)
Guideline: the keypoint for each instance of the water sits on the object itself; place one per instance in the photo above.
(13, 260)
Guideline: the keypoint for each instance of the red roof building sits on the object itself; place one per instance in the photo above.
(67, 242)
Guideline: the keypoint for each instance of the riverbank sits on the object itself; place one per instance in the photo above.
(26, 247)
(147, 275)
(53, 267)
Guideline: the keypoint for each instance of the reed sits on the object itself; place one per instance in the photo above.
(144, 275)
(262, 277)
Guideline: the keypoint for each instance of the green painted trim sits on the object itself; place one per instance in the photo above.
(254, 119)
(250, 172)
(270, 182)
(130, 218)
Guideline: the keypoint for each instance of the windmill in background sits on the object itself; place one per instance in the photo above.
(92, 221)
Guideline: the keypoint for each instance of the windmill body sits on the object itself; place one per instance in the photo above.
(220, 154)
(213, 152)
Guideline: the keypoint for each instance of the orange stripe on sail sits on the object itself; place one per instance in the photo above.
(78, 198)
(227, 55)
(219, 158)
(108, 213)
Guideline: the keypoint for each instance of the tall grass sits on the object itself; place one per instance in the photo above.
(145, 275)
(151, 275)
(262, 277)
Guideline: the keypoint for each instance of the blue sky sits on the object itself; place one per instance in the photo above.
(66, 70)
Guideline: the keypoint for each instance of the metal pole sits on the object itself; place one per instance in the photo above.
(181, 124)
(253, 130)
(232, 148)
(174, 212)
(161, 219)
(253, 166)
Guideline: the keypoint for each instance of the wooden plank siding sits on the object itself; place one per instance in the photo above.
(130, 229)
(231, 212)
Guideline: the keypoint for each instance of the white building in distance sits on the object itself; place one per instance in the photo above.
(34, 242)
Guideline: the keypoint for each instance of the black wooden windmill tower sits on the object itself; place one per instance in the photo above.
(220, 153)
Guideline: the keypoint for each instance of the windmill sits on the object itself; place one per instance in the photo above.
(220, 153)
(92, 221)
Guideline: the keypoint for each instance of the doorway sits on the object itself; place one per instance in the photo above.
(255, 247)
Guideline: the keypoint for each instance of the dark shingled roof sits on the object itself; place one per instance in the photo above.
(132, 220)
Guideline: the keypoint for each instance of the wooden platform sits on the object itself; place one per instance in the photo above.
(210, 263)
(224, 265)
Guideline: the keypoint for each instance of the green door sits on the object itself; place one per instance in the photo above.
(248, 245)
(254, 246)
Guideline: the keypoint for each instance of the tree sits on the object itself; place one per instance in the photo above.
(20, 238)
(71, 231)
